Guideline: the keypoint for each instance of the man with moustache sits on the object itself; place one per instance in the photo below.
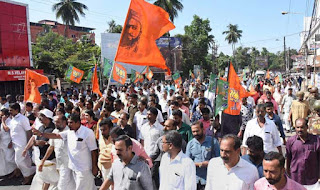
(60, 149)
(82, 151)
(263, 128)
(255, 153)
(201, 149)
(303, 156)
(128, 172)
(229, 171)
(275, 177)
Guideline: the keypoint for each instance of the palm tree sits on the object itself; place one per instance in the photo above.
(114, 27)
(171, 6)
(68, 10)
(233, 35)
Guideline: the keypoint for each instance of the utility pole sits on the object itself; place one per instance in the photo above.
(314, 63)
(288, 60)
(306, 67)
(284, 53)
(214, 55)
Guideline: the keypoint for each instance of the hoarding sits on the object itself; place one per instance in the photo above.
(15, 75)
(15, 45)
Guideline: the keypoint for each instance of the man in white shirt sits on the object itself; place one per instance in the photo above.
(4, 103)
(20, 132)
(82, 151)
(140, 117)
(177, 171)
(60, 148)
(285, 107)
(230, 172)
(264, 128)
(151, 131)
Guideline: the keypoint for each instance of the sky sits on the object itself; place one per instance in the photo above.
(262, 23)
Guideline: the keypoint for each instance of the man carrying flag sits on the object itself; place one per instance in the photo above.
(33, 81)
(231, 118)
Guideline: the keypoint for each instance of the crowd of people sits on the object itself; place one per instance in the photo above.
(156, 135)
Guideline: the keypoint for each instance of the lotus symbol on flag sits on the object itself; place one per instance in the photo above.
(234, 97)
(76, 74)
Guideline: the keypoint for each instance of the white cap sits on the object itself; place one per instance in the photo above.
(47, 113)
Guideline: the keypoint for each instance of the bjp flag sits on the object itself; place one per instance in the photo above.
(277, 79)
(149, 74)
(144, 24)
(119, 73)
(236, 93)
(95, 82)
(74, 74)
(33, 81)
(268, 75)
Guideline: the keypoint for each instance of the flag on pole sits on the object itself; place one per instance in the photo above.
(95, 81)
(119, 73)
(33, 81)
(235, 93)
(268, 75)
(177, 79)
(145, 70)
(74, 74)
(107, 66)
(191, 74)
(212, 83)
(136, 76)
(277, 79)
(221, 101)
(149, 74)
(144, 24)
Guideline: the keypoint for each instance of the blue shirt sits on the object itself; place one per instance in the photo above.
(277, 121)
(259, 166)
(196, 103)
(202, 152)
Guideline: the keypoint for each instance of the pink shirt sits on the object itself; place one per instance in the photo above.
(206, 124)
(138, 150)
(186, 110)
(263, 184)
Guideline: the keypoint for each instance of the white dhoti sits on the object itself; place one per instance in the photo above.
(84, 180)
(104, 172)
(23, 163)
(286, 122)
(7, 163)
(49, 175)
(66, 180)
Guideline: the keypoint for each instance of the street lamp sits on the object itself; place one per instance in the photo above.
(285, 13)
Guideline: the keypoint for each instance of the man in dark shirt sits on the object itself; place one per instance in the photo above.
(123, 121)
(303, 155)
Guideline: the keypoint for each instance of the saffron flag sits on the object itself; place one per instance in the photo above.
(221, 100)
(177, 79)
(95, 82)
(136, 76)
(119, 73)
(191, 74)
(33, 81)
(235, 93)
(107, 66)
(74, 74)
(149, 74)
(144, 24)
(268, 75)
(277, 80)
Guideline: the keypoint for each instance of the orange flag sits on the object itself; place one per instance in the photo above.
(144, 24)
(119, 73)
(277, 79)
(95, 82)
(33, 81)
(236, 93)
(149, 74)
(268, 75)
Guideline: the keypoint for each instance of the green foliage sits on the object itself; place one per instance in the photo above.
(196, 42)
(171, 6)
(113, 27)
(53, 54)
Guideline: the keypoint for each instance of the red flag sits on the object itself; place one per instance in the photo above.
(33, 81)
(236, 93)
(119, 73)
(144, 24)
(95, 82)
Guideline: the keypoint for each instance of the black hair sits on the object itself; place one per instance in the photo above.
(127, 115)
(106, 121)
(15, 106)
(90, 112)
(5, 111)
(175, 138)
(177, 112)
(143, 102)
(77, 109)
(174, 103)
(268, 104)
(255, 143)
(205, 110)
(124, 138)
(29, 104)
(74, 117)
(117, 131)
(118, 101)
(202, 101)
(61, 110)
(90, 102)
(236, 140)
(275, 156)
(135, 96)
(153, 110)
(179, 97)
(261, 106)
(199, 123)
